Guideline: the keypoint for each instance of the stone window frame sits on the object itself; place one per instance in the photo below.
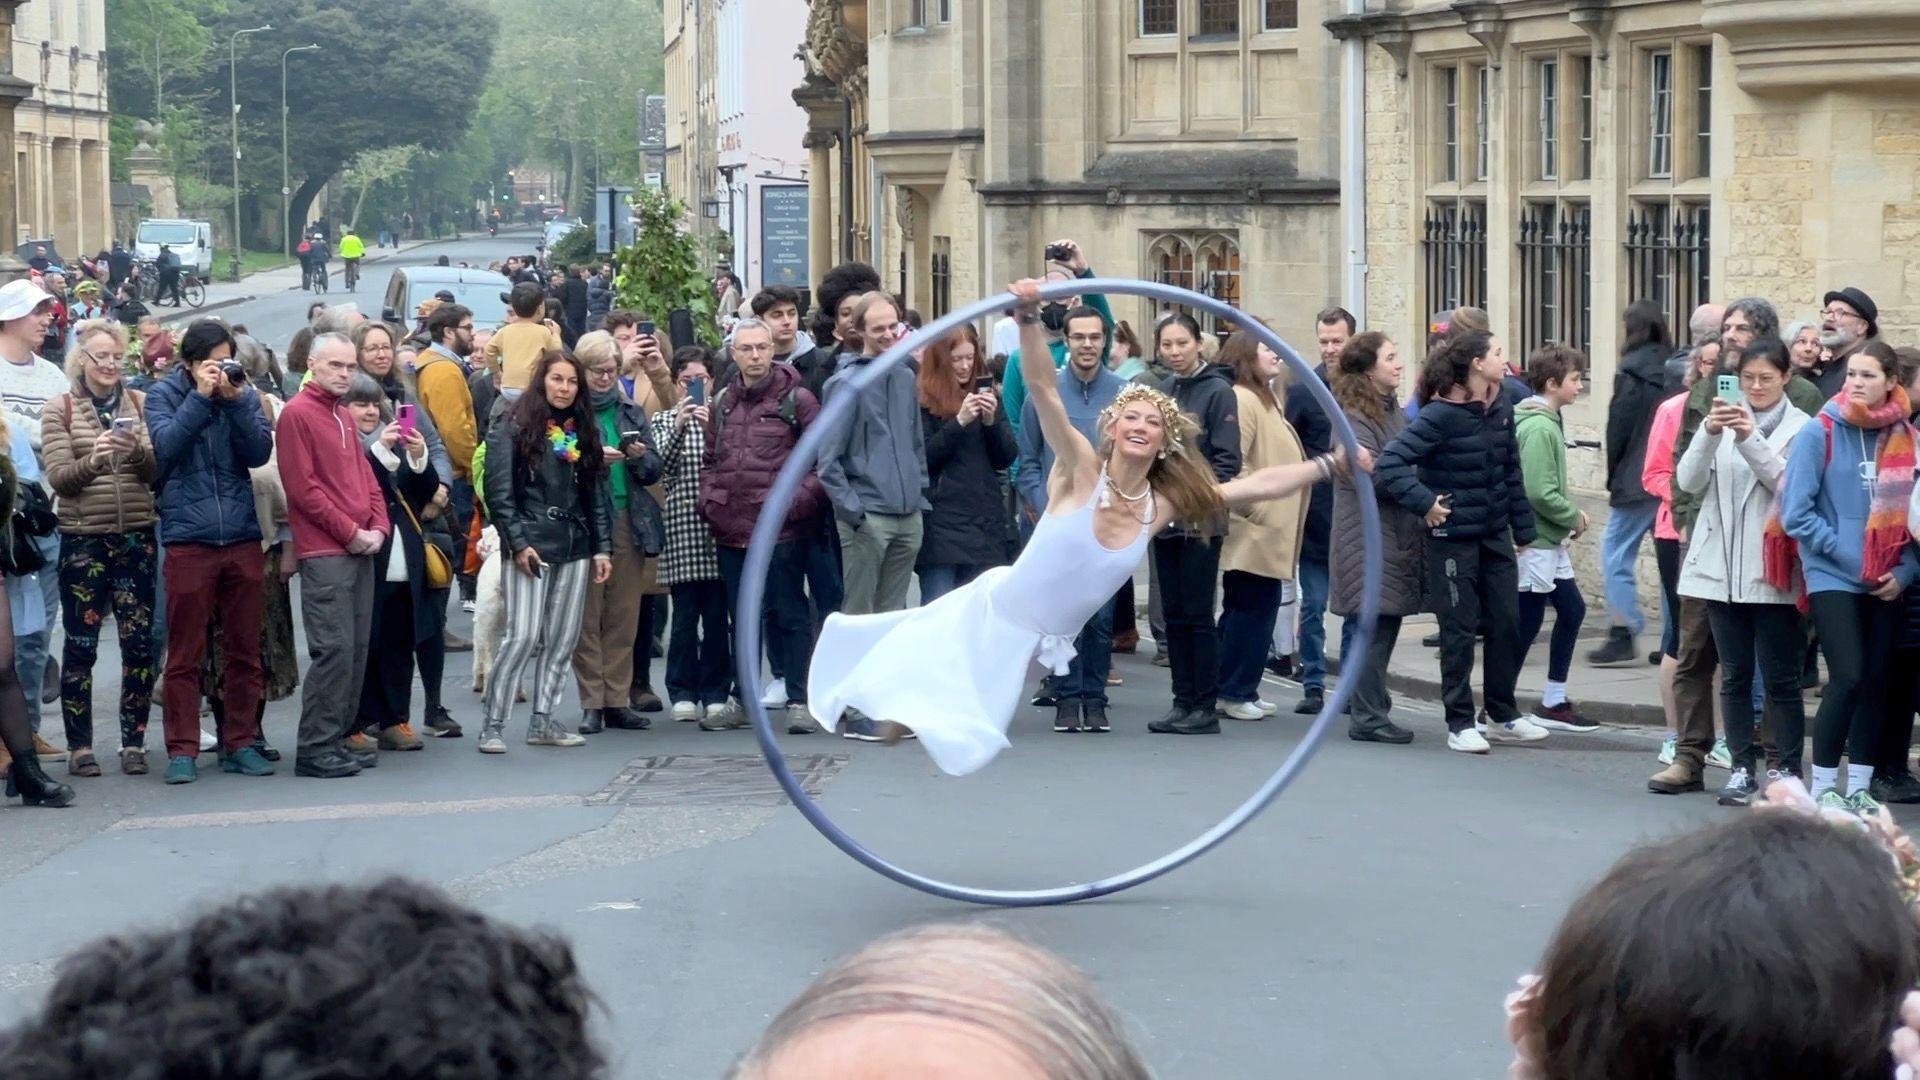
(1207, 261)
(1573, 127)
(1688, 57)
(1464, 165)
(1245, 45)
(1188, 19)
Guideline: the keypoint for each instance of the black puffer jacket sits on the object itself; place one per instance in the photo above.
(1467, 450)
(1310, 422)
(1637, 392)
(546, 507)
(1207, 396)
(966, 519)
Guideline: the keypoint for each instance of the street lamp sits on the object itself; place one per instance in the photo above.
(286, 181)
(233, 99)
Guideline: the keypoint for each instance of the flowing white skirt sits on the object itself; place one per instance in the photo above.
(953, 671)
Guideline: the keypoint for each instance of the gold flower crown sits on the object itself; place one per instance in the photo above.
(1172, 421)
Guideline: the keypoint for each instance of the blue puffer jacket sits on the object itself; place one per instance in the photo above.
(205, 447)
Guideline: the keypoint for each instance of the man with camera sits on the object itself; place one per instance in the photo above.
(209, 430)
(1065, 262)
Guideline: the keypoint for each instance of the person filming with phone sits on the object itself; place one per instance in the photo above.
(603, 660)
(968, 446)
(99, 460)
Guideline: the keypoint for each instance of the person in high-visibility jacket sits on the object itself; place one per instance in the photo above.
(352, 250)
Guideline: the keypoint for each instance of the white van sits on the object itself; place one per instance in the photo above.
(191, 240)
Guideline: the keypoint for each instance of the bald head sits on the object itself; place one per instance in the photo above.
(1705, 323)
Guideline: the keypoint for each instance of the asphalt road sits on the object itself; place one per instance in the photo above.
(1367, 925)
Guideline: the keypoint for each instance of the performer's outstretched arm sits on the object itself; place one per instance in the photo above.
(1072, 454)
(1279, 481)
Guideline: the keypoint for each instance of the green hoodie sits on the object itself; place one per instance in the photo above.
(1543, 468)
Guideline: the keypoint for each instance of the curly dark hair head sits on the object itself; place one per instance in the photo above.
(392, 979)
(532, 412)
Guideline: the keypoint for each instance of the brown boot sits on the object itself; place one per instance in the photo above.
(1674, 779)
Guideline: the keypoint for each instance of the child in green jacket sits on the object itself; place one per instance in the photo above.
(1555, 374)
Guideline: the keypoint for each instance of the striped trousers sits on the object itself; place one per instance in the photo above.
(543, 617)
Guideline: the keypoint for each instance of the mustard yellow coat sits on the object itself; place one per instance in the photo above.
(1264, 538)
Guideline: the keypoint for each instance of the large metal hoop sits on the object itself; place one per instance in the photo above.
(773, 514)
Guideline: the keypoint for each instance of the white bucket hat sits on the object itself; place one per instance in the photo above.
(19, 298)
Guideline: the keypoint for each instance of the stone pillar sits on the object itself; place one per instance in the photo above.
(13, 90)
(819, 203)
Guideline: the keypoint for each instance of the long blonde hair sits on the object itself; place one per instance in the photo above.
(1182, 476)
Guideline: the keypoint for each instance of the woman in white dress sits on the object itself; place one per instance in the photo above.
(1103, 507)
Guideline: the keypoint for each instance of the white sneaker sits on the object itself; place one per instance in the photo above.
(776, 695)
(1241, 710)
(687, 710)
(1267, 708)
(1669, 747)
(207, 741)
(1467, 741)
(1519, 729)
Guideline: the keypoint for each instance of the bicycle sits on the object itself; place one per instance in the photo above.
(352, 274)
(192, 289)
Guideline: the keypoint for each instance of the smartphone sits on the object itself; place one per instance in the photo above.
(697, 391)
(646, 328)
(983, 384)
(405, 418)
(1727, 388)
(123, 423)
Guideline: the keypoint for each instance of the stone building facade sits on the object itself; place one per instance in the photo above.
(1188, 141)
(60, 154)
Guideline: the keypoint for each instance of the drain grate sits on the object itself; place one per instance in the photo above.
(712, 780)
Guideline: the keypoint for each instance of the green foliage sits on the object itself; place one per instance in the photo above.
(662, 271)
(157, 47)
(575, 247)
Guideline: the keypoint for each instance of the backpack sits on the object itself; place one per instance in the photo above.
(788, 409)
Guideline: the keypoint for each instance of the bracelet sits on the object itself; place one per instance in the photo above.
(1325, 461)
(1026, 318)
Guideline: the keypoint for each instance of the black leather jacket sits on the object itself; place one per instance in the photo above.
(549, 513)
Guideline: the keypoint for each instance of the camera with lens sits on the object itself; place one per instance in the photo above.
(1059, 253)
(235, 373)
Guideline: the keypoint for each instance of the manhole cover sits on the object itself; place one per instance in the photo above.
(712, 780)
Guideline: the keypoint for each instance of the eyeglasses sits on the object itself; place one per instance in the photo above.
(468, 327)
(602, 372)
(104, 359)
(1837, 311)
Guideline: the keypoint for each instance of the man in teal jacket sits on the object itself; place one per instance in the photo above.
(1013, 388)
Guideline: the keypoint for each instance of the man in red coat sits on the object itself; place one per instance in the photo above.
(339, 522)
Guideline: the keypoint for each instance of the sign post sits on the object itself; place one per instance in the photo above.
(785, 258)
(612, 223)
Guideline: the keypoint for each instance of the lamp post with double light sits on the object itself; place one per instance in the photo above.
(233, 100)
(286, 180)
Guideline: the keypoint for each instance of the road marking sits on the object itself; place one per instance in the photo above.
(349, 812)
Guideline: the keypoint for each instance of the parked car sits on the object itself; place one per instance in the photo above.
(554, 231)
(191, 240)
(483, 291)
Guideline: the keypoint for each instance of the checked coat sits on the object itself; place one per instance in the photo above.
(689, 554)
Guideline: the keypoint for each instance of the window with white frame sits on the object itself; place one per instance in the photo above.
(1482, 122)
(1548, 109)
(1660, 114)
(1585, 64)
(1703, 109)
(1449, 122)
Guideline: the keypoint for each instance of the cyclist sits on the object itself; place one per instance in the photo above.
(352, 250)
(319, 253)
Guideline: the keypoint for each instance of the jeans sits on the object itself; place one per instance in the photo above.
(1248, 603)
(1370, 703)
(1189, 575)
(699, 649)
(1569, 611)
(1472, 581)
(790, 641)
(32, 651)
(1857, 633)
(1313, 626)
(1086, 677)
(1619, 553)
(102, 574)
(878, 558)
(1773, 631)
(939, 579)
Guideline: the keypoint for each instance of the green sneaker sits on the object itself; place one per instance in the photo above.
(182, 770)
(247, 761)
(1668, 747)
(1833, 800)
(1719, 757)
(1863, 803)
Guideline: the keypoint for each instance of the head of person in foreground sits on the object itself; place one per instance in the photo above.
(958, 1002)
(388, 979)
(1774, 946)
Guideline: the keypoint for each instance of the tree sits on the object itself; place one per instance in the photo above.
(661, 270)
(392, 73)
(152, 44)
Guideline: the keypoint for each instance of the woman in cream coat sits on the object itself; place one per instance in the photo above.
(1263, 541)
(1735, 465)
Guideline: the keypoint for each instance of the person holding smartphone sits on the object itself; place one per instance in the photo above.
(99, 461)
(604, 658)
(965, 527)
